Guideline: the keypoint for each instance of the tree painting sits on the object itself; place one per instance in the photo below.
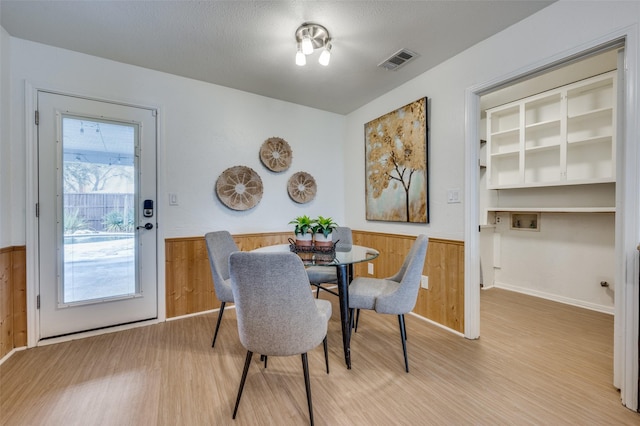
(396, 165)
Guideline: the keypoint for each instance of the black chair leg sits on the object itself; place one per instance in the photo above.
(215, 334)
(403, 337)
(247, 362)
(326, 354)
(406, 336)
(264, 358)
(357, 319)
(317, 292)
(305, 369)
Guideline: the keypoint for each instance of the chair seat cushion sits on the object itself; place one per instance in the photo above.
(322, 274)
(364, 291)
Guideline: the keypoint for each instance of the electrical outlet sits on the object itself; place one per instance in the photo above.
(370, 268)
(424, 282)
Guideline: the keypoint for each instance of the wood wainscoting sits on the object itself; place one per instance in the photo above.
(13, 299)
(189, 286)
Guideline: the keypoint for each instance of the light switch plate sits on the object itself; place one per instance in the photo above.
(370, 268)
(453, 196)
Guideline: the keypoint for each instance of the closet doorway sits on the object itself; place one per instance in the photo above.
(547, 190)
(538, 235)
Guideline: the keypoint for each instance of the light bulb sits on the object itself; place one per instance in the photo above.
(325, 56)
(301, 60)
(307, 45)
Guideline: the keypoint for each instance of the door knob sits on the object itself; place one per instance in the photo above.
(146, 226)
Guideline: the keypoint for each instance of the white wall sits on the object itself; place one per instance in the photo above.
(204, 130)
(564, 261)
(550, 32)
(570, 255)
(5, 142)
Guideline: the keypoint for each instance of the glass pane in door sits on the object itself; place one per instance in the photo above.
(98, 210)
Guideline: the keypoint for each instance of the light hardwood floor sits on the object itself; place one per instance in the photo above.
(537, 362)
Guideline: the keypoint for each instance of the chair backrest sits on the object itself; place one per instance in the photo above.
(220, 245)
(398, 275)
(403, 299)
(343, 237)
(276, 312)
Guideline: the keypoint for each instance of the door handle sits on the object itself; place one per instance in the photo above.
(146, 226)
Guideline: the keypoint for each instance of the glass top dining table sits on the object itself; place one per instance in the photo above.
(343, 260)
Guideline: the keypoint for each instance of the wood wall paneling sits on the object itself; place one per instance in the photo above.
(13, 299)
(189, 284)
(443, 301)
(19, 279)
(6, 303)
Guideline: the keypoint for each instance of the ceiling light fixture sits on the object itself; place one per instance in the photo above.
(307, 44)
(301, 58)
(325, 56)
(311, 37)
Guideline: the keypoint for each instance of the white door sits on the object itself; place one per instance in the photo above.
(96, 216)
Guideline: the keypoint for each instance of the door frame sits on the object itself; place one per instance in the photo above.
(31, 221)
(627, 216)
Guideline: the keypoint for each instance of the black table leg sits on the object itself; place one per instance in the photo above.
(343, 296)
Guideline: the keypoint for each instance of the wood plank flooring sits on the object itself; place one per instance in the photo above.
(537, 362)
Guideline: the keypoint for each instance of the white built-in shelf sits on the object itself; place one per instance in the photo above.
(554, 209)
(564, 136)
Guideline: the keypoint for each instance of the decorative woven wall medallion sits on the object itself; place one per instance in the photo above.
(302, 187)
(275, 154)
(239, 188)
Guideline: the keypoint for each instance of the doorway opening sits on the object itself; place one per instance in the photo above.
(550, 162)
(616, 204)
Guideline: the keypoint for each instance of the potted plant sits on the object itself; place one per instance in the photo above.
(303, 230)
(322, 229)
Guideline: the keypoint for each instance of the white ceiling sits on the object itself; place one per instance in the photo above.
(250, 45)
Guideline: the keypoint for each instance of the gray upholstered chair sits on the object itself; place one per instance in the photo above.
(394, 295)
(277, 314)
(220, 245)
(319, 275)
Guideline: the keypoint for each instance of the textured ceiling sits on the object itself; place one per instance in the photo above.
(250, 45)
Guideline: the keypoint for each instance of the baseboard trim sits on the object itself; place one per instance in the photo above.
(437, 324)
(195, 314)
(13, 351)
(555, 298)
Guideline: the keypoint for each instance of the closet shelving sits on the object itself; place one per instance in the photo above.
(565, 136)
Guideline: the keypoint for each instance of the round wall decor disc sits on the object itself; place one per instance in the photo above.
(275, 154)
(302, 187)
(239, 188)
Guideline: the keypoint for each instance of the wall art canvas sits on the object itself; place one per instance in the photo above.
(396, 165)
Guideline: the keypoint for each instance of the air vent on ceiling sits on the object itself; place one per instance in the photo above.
(398, 59)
